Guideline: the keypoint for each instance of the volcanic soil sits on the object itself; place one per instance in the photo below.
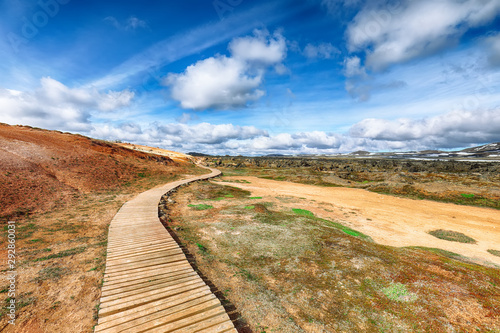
(62, 190)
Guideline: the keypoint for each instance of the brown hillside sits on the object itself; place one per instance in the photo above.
(61, 191)
(40, 168)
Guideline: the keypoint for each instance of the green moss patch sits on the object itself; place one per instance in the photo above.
(302, 212)
(201, 206)
(398, 292)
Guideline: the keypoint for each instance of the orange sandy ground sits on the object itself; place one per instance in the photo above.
(392, 220)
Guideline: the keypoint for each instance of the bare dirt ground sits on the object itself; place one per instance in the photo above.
(391, 220)
(176, 156)
(466, 183)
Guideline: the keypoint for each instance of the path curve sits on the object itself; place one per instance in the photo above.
(149, 285)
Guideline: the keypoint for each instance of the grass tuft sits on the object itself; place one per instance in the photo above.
(444, 253)
(202, 248)
(201, 206)
(347, 230)
(64, 253)
(494, 252)
(302, 212)
(35, 240)
(398, 292)
(51, 273)
(452, 236)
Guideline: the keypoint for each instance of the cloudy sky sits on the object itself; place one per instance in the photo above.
(256, 77)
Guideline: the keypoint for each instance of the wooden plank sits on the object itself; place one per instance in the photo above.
(162, 316)
(146, 282)
(144, 310)
(149, 286)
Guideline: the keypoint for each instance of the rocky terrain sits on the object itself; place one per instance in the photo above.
(351, 166)
(474, 183)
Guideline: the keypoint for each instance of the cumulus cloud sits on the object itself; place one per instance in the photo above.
(451, 130)
(217, 83)
(399, 32)
(318, 139)
(260, 48)
(132, 23)
(177, 135)
(211, 134)
(54, 105)
(316, 142)
(321, 51)
(454, 129)
(223, 82)
(298, 141)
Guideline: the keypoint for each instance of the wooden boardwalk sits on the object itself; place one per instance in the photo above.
(149, 286)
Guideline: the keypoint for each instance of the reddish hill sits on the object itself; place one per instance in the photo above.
(41, 168)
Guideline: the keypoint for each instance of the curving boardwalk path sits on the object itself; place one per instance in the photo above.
(149, 286)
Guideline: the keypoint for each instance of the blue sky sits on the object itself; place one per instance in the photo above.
(256, 77)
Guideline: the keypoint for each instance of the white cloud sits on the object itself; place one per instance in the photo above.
(321, 51)
(391, 34)
(451, 130)
(55, 93)
(353, 67)
(279, 141)
(454, 129)
(316, 142)
(113, 100)
(303, 140)
(223, 82)
(260, 48)
(132, 23)
(318, 139)
(54, 105)
(178, 135)
(212, 134)
(217, 83)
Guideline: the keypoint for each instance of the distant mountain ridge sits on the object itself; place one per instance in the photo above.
(490, 147)
(488, 151)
